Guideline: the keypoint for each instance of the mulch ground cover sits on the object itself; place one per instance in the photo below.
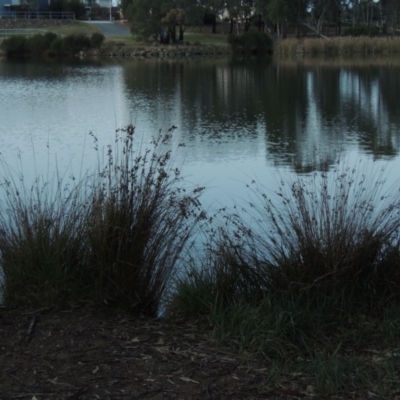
(92, 353)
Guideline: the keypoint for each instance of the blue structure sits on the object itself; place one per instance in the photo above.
(9, 6)
(3, 8)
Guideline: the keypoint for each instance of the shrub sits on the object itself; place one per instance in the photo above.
(57, 46)
(75, 43)
(15, 46)
(251, 43)
(96, 40)
(40, 44)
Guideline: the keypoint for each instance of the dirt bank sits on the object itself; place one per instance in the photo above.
(87, 353)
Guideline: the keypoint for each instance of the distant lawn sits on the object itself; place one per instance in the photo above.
(74, 27)
(192, 37)
(207, 38)
(124, 40)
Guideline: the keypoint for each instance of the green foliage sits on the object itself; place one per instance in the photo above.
(124, 6)
(50, 43)
(145, 17)
(363, 30)
(96, 40)
(15, 46)
(57, 46)
(251, 43)
(75, 43)
(282, 10)
(40, 44)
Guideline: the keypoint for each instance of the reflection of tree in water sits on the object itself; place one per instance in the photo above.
(306, 114)
(348, 107)
(371, 108)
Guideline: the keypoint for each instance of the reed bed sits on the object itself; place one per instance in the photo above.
(338, 46)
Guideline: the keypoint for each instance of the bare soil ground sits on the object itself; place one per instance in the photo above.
(90, 353)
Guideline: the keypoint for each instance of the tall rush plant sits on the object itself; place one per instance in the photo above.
(142, 219)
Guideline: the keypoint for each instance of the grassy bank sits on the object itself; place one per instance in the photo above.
(339, 46)
(311, 285)
(308, 282)
(210, 42)
(96, 45)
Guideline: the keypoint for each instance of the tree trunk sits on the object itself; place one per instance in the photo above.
(246, 25)
(181, 33)
(172, 33)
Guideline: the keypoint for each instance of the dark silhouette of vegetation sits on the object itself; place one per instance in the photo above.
(50, 44)
(117, 235)
(74, 6)
(363, 30)
(251, 43)
(96, 40)
(304, 279)
(314, 269)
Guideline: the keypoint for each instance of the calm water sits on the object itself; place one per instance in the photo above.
(239, 120)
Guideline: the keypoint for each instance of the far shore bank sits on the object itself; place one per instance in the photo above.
(203, 44)
(117, 46)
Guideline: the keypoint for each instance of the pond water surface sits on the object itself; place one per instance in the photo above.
(239, 119)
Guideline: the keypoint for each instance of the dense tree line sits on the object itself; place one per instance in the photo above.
(166, 20)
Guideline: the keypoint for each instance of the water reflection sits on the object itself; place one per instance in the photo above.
(306, 114)
(248, 114)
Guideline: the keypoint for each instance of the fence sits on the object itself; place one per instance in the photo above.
(37, 15)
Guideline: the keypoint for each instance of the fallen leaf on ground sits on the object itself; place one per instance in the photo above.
(185, 379)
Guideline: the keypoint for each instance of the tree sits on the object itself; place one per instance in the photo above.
(390, 10)
(152, 17)
(175, 17)
(281, 12)
(145, 17)
(213, 10)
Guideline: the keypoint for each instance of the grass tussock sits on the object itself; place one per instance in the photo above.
(338, 46)
(140, 220)
(309, 279)
(42, 242)
(117, 236)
